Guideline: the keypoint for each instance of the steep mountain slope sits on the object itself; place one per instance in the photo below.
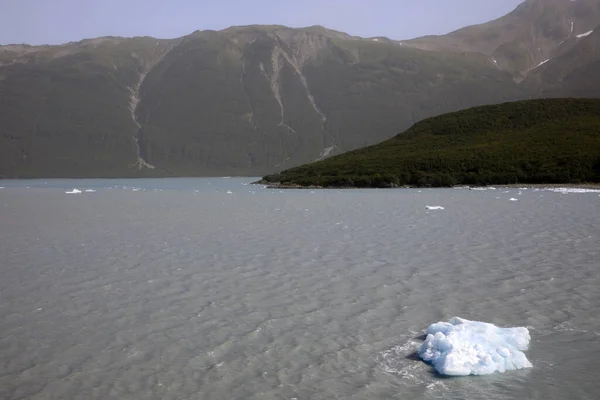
(69, 110)
(533, 141)
(574, 73)
(246, 100)
(256, 99)
(533, 33)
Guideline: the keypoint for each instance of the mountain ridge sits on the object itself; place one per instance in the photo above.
(241, 101)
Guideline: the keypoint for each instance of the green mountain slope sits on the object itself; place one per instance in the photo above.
(534, 141)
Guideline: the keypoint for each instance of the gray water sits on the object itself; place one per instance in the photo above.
(174, 289)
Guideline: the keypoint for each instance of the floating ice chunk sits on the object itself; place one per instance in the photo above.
(463, 347)
(74, 191)
(1, 187)
(229, 191)
(90, 191)
(513, 199)
(434, 207)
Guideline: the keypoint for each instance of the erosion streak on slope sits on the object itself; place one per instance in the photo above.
(311, 99)
(325, 153)
(276, 66)
(273, 79)
(134, 101)
(251, 117)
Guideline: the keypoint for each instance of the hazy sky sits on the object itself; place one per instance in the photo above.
(59, 21)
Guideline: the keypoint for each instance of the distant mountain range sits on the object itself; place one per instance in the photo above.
(257, 99)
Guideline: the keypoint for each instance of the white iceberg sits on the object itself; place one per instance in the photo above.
(229, 191)
(434, 207)
(513, 199)
(74, 191)
(90, 191)
(463, 347)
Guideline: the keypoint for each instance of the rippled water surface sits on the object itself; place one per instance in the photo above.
(175, 289)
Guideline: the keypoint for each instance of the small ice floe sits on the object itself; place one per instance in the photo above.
(136, 189)
(1, 187)
(90, 191)
(74, 191)
(434, 207)
(229, 191)
(463, 347)
(513, 199)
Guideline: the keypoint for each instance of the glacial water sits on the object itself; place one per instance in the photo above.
(218, 289)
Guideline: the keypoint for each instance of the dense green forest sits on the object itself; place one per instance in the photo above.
(533, 141)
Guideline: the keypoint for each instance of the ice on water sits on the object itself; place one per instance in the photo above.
(74, 191)
(574, 190)
(434, 207)
(463, 347)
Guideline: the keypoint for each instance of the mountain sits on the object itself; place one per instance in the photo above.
(574, 73)
(534, 33)
(255, 99)
(533, 141)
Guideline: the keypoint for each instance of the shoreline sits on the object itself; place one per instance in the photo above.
(593, 186)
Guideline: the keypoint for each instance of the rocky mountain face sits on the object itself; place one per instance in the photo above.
(533, 34)
(256, 99)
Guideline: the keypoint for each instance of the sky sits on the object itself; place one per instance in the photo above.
(61, 21)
